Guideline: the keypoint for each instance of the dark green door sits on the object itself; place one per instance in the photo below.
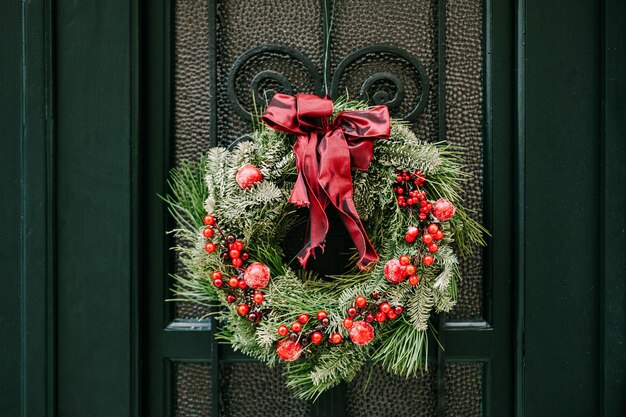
(434, 63)
(100, 100)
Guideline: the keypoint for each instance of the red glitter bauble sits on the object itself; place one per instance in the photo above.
(289, 350)
(394, 272)
(443, 210)
(248, 175)
(257, 275)
(361, 333)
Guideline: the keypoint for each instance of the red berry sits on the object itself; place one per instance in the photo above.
(433, 247)
(216, 275)
(238, 245)
(321, 315)
(207, 232)
(410, 270)
(352, 312)
(399, 178)
(243, 309)
(296, 326)
(248, 175)
(233, 282)
(316, 338)
(209, 220)
(237, 262)
(283, 330)
(439, 235)
(394, 271)
(400, 190)
(381, 317)
(404, 260)
(409, 238)
(347, 322)
(360, 301)
(234, 253)
(288, 350)
(210, 247)
(258, 297)
(432, 228)
(231, 298)
(427, 238)
(336, 338)
(392, 315)
(369, 317)
(398, 310)
(362, 333)
(428, 260)
(413, 231)
(385, 307)
(242, 284)
(218, 283)
(422, 216)
(303, 318)
(257, 275)
(414, 280)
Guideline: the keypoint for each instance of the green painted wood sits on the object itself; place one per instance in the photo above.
(613, 201)
(95, 125)
(10, 211)
(562, 196)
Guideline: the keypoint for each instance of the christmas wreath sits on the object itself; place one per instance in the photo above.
(238, 209)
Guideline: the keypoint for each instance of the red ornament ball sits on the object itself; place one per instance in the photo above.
(428, 260)
(257, 275)
(283, 330)
(394, 271)
(316, 338)
(443, 210)
(248, 175)
(289, 350)
(361, 333)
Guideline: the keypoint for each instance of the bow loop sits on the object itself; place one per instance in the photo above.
(325, 155)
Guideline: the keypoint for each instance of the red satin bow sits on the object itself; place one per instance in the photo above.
(325, 154)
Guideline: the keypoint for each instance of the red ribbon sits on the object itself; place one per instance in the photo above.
(325, 154)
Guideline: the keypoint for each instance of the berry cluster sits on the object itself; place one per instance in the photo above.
(297, 337)
(245, 284)
(408, 192)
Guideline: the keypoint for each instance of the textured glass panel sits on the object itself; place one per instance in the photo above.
(464, 113)
(244, 25)
(464, 389)
(192, 390)
(253, 389)
(375, 392)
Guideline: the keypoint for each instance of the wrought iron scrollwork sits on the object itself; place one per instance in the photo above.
(268, 76)
(382, 87)
(381, 96)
